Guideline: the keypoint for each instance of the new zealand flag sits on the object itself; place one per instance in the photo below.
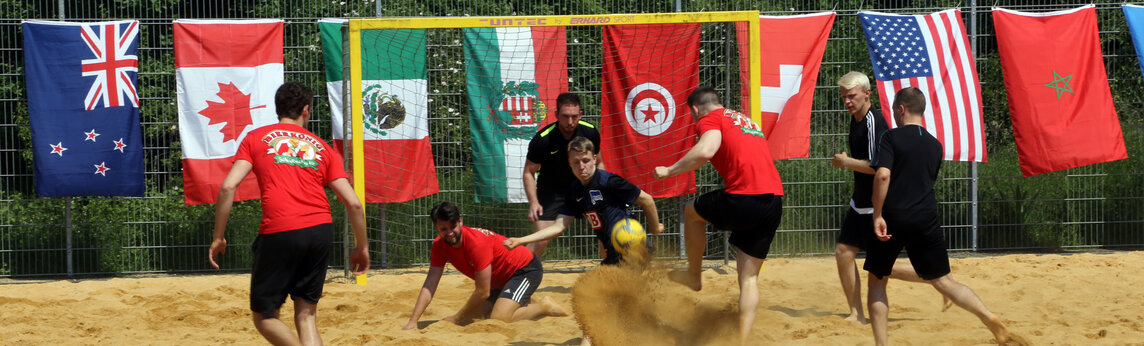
(84, 108)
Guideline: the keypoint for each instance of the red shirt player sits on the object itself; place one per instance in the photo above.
(504, 279)
(750, 204)
(295, 238)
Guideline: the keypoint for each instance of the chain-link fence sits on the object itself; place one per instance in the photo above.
(984, 206)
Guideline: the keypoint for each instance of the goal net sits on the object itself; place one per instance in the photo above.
(443, 109)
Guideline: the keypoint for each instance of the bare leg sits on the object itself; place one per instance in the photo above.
(848, 274)
(695, 239)
(748, 268)
(538, 247)
(509, 310)
(964, 297)
(272, 328)
(306, 320)
(879, 306)
(905, 272)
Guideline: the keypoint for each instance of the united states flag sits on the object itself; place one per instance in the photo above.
(930, 52)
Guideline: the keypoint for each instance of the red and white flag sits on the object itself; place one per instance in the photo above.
(930, 52)
(226, 72)
(792, 48)
(1059, 100)
(649, 70)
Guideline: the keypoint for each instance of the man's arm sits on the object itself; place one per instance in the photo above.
(703, 151)
(648, 205)
(482, 279)
(222, 207)
(359, 258)
(553, 231)
(427, 290)
(843, 160)
(529, 180)
(881, 185)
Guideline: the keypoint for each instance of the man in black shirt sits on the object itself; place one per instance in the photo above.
(548, 148)
(866, 126)
(905, 216)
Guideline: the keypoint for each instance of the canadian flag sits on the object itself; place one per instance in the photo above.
(226, 72)
(792, 48)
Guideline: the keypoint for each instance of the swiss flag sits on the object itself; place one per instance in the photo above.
(649, 70)
(226, 72)
(792, 48)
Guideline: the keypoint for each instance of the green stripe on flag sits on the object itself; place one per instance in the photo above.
(483, 81)
(382, 47)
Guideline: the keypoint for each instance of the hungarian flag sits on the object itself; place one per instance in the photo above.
(932, 53)
(649, 70)
(792, 48)
(83, 106)
(395, 97)
(226, 73)
(1059, 99)
(513, 76)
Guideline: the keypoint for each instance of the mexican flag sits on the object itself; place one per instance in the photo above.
(395, 97)
(513, 76)
(226, 73)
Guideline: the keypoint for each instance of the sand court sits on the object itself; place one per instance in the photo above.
(1089, 297)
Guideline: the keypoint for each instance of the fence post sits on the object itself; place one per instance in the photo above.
(347, 243)
(973, 164)
(68, 229)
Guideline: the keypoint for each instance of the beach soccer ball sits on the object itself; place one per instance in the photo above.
(627, 234)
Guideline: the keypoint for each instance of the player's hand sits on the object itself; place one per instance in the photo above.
(662, 172)
(880, 230)
(839, 160)
(218, 246)
(511, 243)
(535, 210)
(359, 259)
(658, 228)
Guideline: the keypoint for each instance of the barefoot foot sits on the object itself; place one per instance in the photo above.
(693, 281)
(946, 303)
(999, 331)
(858, 319)
(550, 307)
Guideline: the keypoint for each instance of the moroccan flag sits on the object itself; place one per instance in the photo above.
(930, 52)
(513, 76)
(83, 106)
(649, 70)
(1059, 99)
(398, 159)
(1135, 16)
(226, 72)
(792, 48)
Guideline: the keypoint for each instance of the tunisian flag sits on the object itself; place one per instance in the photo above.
(226, 72)
(1059, 100)
(792, 48)
(649, 70)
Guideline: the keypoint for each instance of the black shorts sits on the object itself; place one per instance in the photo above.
(857, 229)
(290, 262)
(522, 284)
(924, 243)
(551, 201)
(752, 219)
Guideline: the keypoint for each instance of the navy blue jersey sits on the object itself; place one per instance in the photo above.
(549, 148)
(604, 201)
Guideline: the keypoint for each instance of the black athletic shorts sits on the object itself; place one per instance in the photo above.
(924, 243)
(522, 284)
(551, 201)
(290, 262)
(857, 229)
(752, 219)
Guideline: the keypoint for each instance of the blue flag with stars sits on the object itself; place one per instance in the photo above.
(83, 106)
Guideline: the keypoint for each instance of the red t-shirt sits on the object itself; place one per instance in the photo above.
(744, 159)
(479, 249)
(293, 167)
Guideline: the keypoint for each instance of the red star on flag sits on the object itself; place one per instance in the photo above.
(101, 169)
(58, 148)
(91, 135)
(649, 114)
(119, 145)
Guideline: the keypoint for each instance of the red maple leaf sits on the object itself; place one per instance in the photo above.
(234, 111)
